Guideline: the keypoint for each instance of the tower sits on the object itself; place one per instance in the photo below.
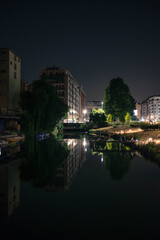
(10, 78)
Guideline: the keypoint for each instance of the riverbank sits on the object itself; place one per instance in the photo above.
(129, 132)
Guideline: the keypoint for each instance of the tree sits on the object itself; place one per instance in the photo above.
(109, 118)
(97, 116)
(42, 108)
(118, 100)
(127, 117)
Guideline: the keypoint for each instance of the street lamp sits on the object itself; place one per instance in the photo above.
(102, 105)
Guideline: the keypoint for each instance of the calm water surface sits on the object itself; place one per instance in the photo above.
(78, 189)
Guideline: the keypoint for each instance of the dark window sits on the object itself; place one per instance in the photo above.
(15, 58)
(14, 189)
(11, 62)
(3, 71)
(15, 66)
(14, 198)
(15, 75)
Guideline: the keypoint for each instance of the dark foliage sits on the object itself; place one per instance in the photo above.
(98, 117)
(118, 100)
(42, 108)
(117, 163)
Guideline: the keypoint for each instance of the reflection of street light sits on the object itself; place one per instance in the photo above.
(84, 112)
(84, 142)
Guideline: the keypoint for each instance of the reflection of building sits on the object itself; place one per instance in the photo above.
(9, 188)
(10, 77)
(69, 167)
(150, 109)
(67, 89)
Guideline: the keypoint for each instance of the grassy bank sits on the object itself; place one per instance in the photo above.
(150, 151)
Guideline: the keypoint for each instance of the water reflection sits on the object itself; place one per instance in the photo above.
(46, 164)
(9, 181)
(115, 156)
(67, 170)
(50, 164)
(117, 163)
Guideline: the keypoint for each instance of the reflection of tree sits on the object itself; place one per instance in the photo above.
(117, 163)
(109, 145)
(41, 160)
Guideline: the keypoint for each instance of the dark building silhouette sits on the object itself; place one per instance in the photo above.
(10, 81)
(67, 89)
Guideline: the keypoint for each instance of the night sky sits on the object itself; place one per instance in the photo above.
(95, 40)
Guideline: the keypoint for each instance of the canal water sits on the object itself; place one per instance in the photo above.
(78, 189)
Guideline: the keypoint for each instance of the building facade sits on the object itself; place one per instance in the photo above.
(137, 111)
(10, 81)
(150, 109)
(82, 105)
(67, 89)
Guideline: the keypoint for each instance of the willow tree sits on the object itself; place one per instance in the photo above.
(42, 108)
(118, 100)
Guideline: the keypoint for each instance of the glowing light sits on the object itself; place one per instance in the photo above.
(101, 158)
(135, 112)
(70, 141)
(84, 111)
(84, 142)
(74, 144)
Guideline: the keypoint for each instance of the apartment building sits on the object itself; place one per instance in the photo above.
(67, 89)
(82, 105)
(10, 81)
(150, 109)
(137, 111)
